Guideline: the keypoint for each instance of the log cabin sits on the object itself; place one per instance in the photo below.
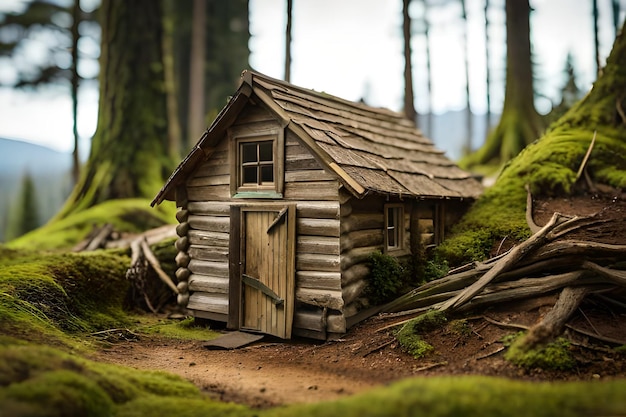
(286, 195)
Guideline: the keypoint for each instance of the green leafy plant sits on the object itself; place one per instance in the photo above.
(386, 278)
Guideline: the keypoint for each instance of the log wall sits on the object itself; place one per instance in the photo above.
(319, 297)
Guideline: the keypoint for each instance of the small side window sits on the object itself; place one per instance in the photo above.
(394, 227)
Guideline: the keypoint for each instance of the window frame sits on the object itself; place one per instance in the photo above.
(239, 135)
(398, 227)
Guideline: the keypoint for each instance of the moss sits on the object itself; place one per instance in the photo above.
(552, 356)
(41, 381)
(187, 329)
(472, 396)
(409, 336)
(71, 395)
(549, 165)
(460, 328)
(131, 215)
(46, 295)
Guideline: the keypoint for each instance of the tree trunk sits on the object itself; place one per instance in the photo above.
(487, 69)
(468, 108)
(520, 124)
(197, 106)
(596, 37)
(129, 150)
(75, 79)
(409, 106)
(288, 41)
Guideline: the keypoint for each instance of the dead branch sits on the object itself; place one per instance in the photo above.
(616, 276)
(553, 322)
(151, 236)
(157, 266)
(504, 264)
(96, 239)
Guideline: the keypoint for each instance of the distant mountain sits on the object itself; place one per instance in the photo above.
(449, 131)
(49, 169)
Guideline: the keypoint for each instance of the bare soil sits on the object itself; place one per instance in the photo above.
(274, 372)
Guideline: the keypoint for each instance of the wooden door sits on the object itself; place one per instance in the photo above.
(268, 269)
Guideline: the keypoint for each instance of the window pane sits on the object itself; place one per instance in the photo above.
(265, 151)
(391, 213)
(249, 152)
(250, 175)
(391, 238)
(267, 173)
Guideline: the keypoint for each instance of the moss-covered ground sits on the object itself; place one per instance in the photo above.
(51, 304)
(549, 167)
(129, 215)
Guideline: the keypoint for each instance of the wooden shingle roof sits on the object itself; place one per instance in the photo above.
(372, 150)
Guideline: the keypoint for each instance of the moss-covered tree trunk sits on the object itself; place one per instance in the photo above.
(129, 156)
(520, 124)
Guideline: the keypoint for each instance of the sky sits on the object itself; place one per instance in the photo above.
(353, 49)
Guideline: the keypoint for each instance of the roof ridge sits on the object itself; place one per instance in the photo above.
(248, 76)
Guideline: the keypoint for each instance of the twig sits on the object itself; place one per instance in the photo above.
(596, 336)
(500, 349)
(379, 347)
(506, 325)
(588, 321)
(586, 158)
(432, 365)
(113, 331)
(501, 243)
(534, 228)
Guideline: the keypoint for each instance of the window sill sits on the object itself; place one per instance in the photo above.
(273, 195)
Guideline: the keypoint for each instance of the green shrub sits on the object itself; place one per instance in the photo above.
(386, 279)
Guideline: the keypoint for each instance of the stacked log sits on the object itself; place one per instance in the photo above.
(182, 258)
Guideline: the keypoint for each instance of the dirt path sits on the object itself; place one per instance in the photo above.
(258, 376)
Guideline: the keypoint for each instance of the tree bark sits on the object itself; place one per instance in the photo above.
(288, 41)
(128, 156)
(409, 106)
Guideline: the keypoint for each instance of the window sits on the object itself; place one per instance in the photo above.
(257, 163)
(394, 227)
(256, 168)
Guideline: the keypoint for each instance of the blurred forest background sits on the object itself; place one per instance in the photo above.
(190, 55)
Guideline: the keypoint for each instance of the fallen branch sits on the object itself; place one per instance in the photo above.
(157, 266)
(554, 321)
(503, 265)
